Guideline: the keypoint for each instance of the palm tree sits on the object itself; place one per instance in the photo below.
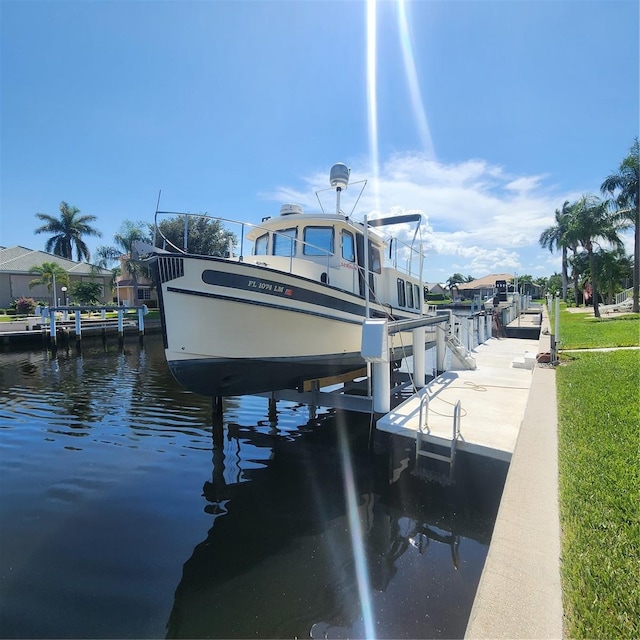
(624, 185)
(106, 256)
(557, 237)
(454, 281)
(131, 232)
(67, 232)
(49, 274)
(613, 267)
(592, 220)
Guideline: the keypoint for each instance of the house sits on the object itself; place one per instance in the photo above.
(435, 289)
(126, 288)
(486, 287)
(483, 287)
(15, 263)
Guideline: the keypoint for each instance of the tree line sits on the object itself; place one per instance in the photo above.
(68, 230)
(587, 233)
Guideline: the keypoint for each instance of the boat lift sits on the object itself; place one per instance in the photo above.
(371, 389)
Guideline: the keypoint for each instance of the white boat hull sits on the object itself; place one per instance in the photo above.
(233, 328)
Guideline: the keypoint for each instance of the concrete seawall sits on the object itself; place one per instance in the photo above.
(520, 595)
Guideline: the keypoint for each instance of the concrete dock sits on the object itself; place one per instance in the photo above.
(493, 399)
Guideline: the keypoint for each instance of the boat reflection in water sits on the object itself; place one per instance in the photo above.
(104, 458)
(279, 559)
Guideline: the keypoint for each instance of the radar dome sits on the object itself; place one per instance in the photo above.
(339, 176)
(290, 209)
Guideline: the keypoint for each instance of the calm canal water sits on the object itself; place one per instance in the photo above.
(119, 518)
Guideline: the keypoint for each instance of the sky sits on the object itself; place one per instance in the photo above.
(484, 115)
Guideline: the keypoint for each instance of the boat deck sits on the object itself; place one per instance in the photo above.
(493, 399)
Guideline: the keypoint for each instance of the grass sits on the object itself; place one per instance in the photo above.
(583, 331)
(599, 442)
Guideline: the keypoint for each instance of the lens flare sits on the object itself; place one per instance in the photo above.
(355, 530)
(372, 99)
(412, 80)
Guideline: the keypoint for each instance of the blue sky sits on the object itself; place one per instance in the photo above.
(489, 113)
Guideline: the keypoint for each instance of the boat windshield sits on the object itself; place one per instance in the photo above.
(318, 241)
(284, 242)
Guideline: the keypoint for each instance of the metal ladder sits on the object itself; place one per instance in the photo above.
(423, 430)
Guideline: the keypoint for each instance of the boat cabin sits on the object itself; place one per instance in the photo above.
(330, 248)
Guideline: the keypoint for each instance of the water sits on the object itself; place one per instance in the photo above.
(119, 518)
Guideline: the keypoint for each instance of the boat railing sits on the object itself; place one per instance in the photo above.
(411, 256)
(245, 228)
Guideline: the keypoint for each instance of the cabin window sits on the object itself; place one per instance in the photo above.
(261, 245)
(284, 242)
(375, 263)
(348, 246)
(401, 297)
(416, 296)
(318, 241)
(409, 295)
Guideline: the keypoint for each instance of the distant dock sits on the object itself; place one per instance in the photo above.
(41, 331)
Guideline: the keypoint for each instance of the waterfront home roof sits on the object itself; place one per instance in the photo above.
(486, 282)
(20, 259)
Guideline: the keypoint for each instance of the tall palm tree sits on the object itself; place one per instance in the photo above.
(68, 231)
(591, 221)
(557, 237)
(49, 273)
(624, 186)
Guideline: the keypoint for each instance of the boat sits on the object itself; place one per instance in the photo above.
(291, 308)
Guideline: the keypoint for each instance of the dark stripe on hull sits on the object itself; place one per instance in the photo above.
(237, 377)
(277, 289)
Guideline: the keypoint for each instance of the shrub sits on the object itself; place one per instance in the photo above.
(25, 306)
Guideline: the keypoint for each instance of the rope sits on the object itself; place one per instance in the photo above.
(470, 386)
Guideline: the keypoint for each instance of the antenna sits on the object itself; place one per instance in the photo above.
(155, 220)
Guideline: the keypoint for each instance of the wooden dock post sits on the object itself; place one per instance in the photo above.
(217, 427)
(141, 312)
(120, 327)
(78, 319)
(53, 336)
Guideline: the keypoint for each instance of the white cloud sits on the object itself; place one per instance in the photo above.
(479, 218)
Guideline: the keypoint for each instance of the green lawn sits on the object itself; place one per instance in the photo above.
(583, 331)
(599, 445)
